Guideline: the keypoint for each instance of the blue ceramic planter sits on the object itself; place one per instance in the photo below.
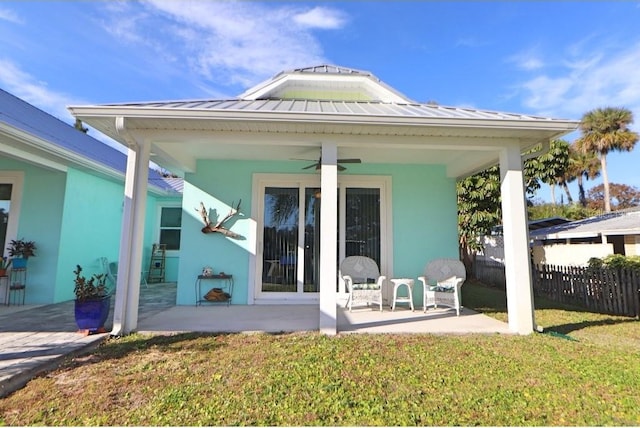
(19, 263)
(92, 314)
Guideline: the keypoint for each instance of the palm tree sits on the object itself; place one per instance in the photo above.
(605, 130)
(582, 166)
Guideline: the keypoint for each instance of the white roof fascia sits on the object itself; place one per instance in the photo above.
(560, 126)
(385, 93)
(620, 232)
(566, 235)
(55, 150)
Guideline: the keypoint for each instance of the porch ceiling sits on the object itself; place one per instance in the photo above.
(179, 138)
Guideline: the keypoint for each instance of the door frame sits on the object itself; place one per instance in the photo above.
(264, 180)
(16, 179)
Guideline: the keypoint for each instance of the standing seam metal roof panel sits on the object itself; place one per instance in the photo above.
(373, 108)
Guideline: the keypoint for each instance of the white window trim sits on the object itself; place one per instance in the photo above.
(160, 206)
(16, 179)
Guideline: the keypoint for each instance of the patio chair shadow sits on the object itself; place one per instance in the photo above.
(347, 325)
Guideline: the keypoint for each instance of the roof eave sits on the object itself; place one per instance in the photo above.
(559, 126)
(60, 158)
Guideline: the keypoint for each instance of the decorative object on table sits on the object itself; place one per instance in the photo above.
(441, 283)
(20, 250)
(217, 295)
(207, 271)
(92, 302)
(218, 227)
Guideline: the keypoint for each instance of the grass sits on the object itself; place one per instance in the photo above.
(311, 379)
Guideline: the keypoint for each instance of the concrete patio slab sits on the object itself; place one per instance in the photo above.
(290, 318)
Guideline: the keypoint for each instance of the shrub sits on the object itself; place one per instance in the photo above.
(615, 261)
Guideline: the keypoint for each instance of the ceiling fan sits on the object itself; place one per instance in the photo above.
(317, 165)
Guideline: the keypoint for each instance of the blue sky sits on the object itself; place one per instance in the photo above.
(558, 59)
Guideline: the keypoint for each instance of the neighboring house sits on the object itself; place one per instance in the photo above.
(278, 146)
(493, 245)
(64, 190)
(574, 243)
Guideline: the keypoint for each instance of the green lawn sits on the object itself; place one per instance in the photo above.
(584, 371)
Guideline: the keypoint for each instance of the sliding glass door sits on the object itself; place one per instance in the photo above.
(289, 258)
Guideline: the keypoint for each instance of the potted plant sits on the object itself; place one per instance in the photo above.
(4, 265)
(92, 302)
(20, 250)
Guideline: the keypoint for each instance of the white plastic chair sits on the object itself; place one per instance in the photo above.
(442, 283)
(111, 271)
(362, 278)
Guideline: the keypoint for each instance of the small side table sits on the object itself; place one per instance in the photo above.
(397, 283)
(226, 284)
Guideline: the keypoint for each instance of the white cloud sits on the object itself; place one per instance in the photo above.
(321, 17)
(24, 86)
(226, 42)
(28, 88)
(586, 80)
(11, 16)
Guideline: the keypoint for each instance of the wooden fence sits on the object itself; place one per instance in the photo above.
(603, 290)
(490, 272)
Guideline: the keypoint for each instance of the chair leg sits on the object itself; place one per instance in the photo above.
(143, 279)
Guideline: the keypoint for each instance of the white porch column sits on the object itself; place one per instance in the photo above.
(329, 241)
(516, 242)
(125, 313)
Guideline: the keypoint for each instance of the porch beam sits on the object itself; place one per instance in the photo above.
(329, 240)
(125, 314)
(519, 282)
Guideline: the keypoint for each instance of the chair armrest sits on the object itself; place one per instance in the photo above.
(381, 280)
(348, 281)
(423, 279)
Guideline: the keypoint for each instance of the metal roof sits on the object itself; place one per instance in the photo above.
(289, 112)
(346, 108)
(18, 114)
(328, 69)
(614, 223)
(536, 224)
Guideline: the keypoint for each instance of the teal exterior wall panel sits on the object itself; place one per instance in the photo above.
(40, 218)
(90, 227)
(424, 219)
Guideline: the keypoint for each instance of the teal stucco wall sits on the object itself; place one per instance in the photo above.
(74, 217)
(424, 219)
(90, 227)
(40, 216)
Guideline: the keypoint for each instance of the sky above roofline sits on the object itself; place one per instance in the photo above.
(553, 59)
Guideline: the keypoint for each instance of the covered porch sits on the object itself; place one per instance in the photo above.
(250, 146)
(160, 315)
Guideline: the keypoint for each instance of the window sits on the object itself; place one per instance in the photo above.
(170, 224)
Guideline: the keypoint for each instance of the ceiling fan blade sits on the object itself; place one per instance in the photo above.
(341, 168)
(349, 161)
(315, 165)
